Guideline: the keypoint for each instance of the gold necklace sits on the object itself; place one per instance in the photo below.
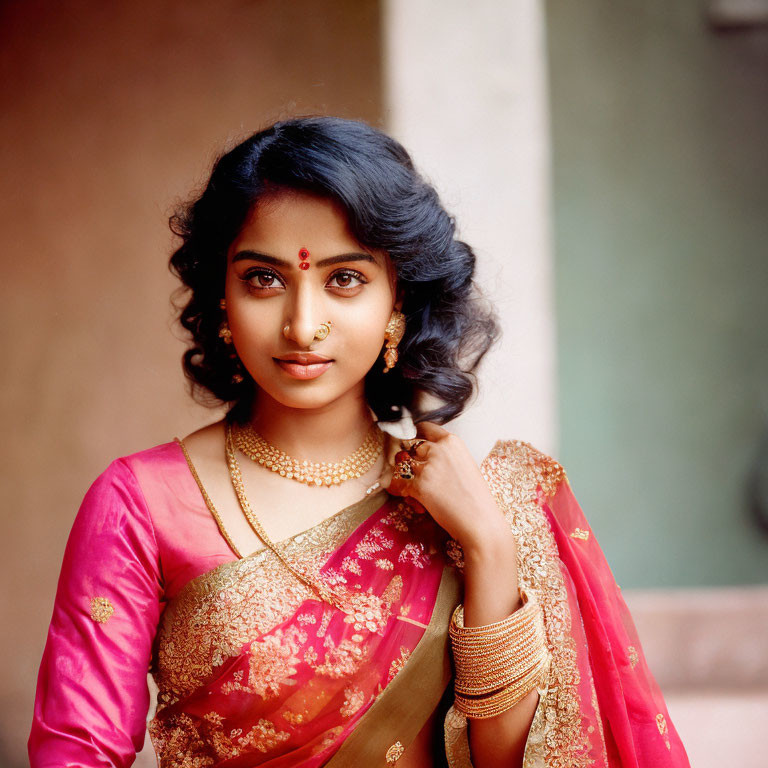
(321, 589)
(318, 473)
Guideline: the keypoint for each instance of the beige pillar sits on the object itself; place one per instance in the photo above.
(465, 91)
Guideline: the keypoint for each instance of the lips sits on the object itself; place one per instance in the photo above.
(316, 366)
(305, 358)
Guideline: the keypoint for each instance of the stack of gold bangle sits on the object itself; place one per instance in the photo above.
(498, 664)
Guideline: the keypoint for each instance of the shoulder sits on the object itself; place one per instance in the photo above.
(518, 463)
(123, 469)
(125, 486)
(157, 458)
(114, 514)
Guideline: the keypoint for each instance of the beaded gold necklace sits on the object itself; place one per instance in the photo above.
(256, 448)
(324, 592)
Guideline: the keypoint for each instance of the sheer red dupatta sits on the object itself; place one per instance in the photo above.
(236, 694)
(637, 728)
(601, 705)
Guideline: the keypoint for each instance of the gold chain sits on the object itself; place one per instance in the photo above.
(256, 448)
(237, 481)
(207, 499)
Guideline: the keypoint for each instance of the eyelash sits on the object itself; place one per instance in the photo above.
(251, 273)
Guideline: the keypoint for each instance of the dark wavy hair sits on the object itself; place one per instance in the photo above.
(390, 207)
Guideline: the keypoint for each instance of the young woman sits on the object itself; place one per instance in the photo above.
(305, 589)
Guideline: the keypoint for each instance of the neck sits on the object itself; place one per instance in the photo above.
(329, 433)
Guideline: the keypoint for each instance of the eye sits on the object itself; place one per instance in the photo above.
(344, 277)
(261, 279)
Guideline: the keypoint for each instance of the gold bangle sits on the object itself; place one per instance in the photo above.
(499, 702)
(515, 620)
(498, 660)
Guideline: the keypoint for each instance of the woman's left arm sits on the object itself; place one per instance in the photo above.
(490, 595)
(449, 485)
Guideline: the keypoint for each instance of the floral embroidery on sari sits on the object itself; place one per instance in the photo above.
(354, 698)
(398, 663)
(241, 679)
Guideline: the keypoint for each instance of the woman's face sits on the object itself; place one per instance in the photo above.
(267, 290)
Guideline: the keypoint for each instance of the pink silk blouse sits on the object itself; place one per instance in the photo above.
(121, 565)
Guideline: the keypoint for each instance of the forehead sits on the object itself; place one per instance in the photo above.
(291, 219)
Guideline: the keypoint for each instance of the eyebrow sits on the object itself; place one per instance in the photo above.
(256, 256)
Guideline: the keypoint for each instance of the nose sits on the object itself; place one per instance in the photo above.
(303, 317)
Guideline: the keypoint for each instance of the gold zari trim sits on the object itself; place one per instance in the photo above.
(514, 470)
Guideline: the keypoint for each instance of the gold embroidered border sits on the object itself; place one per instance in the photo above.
(205, 623)
(513, 471)
(401, 710)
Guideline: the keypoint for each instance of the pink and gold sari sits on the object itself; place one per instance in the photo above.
(254, 670)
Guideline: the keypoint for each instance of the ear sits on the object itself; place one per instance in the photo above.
(399, 300)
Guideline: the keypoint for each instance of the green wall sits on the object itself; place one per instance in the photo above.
(660, 178)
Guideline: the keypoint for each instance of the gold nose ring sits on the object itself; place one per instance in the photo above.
(323, 330)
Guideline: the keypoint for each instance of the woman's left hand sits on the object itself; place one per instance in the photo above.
(448, 483)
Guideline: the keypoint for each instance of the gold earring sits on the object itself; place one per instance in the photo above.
(323, 331)
(393, 333)
(225, 333)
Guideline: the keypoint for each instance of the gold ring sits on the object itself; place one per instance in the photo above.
(412, 445)
(403, 470)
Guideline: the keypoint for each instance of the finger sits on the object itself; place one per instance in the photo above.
(431, 431)
(406, 465)
(417, 447)
(421, 450)
(404, 488)
(418, 507)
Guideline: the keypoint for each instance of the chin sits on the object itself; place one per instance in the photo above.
(301, 400)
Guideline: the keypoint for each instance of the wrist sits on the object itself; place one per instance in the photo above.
(490, 542)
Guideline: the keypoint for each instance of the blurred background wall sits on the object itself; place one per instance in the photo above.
(659, 131)
(659, 123)
(630, 276)
(112, 112)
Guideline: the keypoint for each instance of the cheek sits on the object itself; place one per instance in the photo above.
(252, 333)
(364, 339)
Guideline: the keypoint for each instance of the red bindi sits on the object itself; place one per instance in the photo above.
(303, 255)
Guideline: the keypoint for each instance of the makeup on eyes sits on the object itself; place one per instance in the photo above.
(254, 272)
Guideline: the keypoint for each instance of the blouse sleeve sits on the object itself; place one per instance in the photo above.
(92, 696)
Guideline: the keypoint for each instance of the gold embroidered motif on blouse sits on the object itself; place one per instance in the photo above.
(101, 609)
(394, 753)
